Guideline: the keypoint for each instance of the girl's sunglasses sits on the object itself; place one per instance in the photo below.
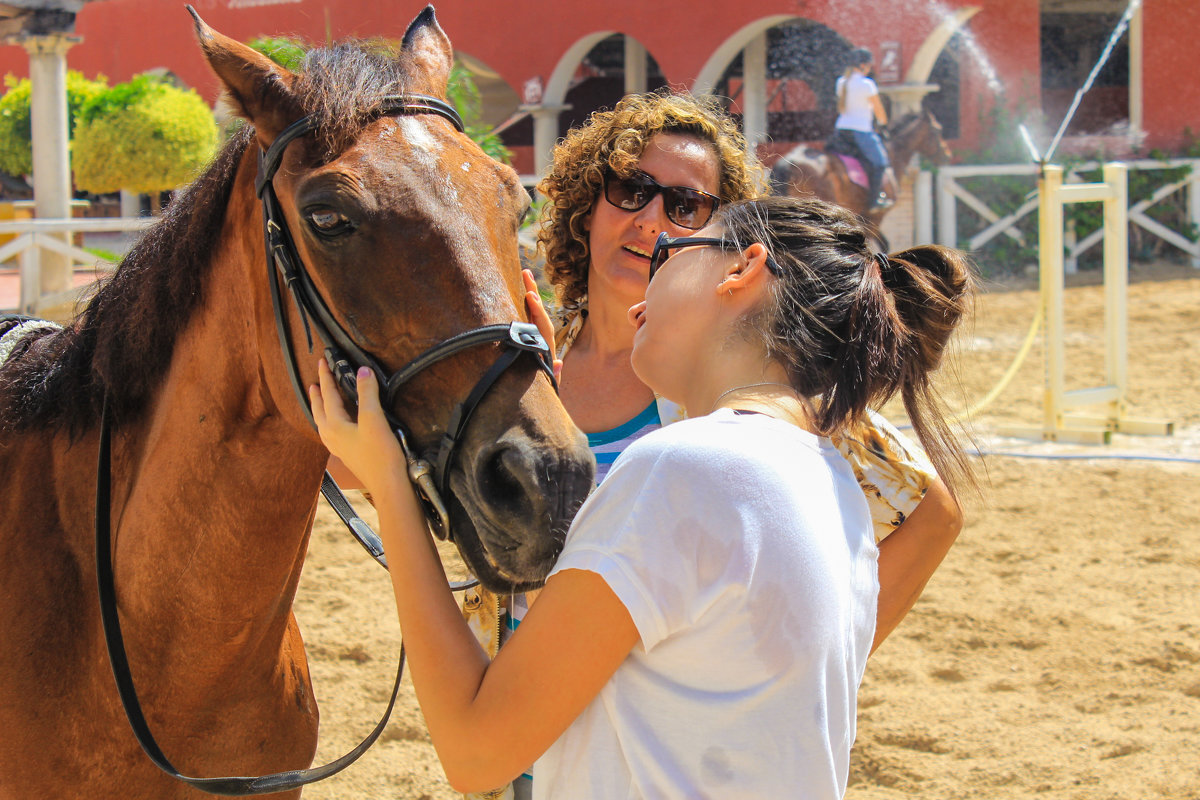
(665, 244)
(687, 208)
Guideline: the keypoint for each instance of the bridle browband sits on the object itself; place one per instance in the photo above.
(344, 356)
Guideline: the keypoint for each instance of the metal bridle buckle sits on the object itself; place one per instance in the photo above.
(420, 473)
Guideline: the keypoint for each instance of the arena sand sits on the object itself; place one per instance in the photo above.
(1055, 654)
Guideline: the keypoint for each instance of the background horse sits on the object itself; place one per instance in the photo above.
(807, 171)
(410, 233)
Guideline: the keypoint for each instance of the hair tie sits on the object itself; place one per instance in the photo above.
(877, 263)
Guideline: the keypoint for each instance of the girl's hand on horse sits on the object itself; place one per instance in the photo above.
(367, 446)
(538, 315)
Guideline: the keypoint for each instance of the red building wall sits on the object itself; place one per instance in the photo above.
(519, 41)
(1006, 49)
(1171, 81)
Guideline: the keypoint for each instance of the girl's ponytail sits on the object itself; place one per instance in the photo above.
(868, 353)
(852, 327)
(932, 289)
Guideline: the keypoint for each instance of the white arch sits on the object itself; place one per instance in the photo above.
(712, 70)
(555, 93)
(498, 100)
(927, 54)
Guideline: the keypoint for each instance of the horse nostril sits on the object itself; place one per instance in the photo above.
(506, 480)
(524, 487)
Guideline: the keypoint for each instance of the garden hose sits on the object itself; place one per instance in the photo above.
(1007, 377)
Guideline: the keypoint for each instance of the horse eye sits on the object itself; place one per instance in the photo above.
(327, 222)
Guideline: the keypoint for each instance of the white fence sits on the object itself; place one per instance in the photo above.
(35, 237)
(950, 192)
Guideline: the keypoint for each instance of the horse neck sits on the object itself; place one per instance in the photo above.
(905, 144)
(218, 487)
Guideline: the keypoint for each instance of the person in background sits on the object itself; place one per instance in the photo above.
(859, 108)
(706, 627)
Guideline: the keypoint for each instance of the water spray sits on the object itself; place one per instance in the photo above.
(1028, 139)
(1117, 33)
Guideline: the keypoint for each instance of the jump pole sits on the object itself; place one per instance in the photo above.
(1105, 405)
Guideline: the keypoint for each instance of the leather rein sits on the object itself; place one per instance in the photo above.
(430, 476)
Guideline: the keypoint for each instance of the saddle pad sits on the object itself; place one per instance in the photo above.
(13, 336)
(854, 169)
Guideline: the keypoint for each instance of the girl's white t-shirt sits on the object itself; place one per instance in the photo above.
(742, 547)
(859, 114)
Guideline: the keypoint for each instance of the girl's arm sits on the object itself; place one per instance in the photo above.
(909, 555)
(488, 721)
(915, 517)
(877, 107)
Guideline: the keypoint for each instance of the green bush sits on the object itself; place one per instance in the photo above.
(464, 96)
(286, 52)
(142, 136)
(16, 149)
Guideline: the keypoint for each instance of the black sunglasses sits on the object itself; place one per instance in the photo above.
(686, 207)
(665, 244)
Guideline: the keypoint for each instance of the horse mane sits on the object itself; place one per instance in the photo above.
(122, 343)
(909, 120)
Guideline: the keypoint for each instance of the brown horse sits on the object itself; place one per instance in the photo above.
(410, 233)
(807, 171)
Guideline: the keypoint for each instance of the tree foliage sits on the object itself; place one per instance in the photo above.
(284, 51)
(16, 133)
(463, 94)
(143, 136)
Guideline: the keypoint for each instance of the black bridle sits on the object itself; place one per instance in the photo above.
(344, 356)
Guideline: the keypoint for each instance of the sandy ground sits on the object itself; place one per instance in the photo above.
(1055, 654)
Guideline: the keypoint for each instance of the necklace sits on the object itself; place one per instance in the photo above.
(746, 386)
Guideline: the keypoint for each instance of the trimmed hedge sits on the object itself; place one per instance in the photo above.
(16, 148)
(143, 136)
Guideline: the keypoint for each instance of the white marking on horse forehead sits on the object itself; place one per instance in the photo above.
(415, 132)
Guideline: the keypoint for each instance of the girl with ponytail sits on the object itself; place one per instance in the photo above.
(859, 108)
(706, 627)
(886, 320)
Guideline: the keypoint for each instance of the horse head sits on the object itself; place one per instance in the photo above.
(408, 232)
(930, 143)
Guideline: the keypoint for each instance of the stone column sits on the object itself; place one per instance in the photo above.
(131, 204)
(1136, 76)
(754, 91)
(635, 66)
(906, 97)
(545, 134)
(51, 161)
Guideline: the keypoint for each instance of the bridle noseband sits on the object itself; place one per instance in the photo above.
(344, 356)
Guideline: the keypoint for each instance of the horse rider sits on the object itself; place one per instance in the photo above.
(859, 108)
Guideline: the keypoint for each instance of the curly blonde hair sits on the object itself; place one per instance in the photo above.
(615, 140)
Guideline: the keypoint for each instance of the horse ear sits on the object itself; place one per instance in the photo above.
(259, 88)
(429, 47)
